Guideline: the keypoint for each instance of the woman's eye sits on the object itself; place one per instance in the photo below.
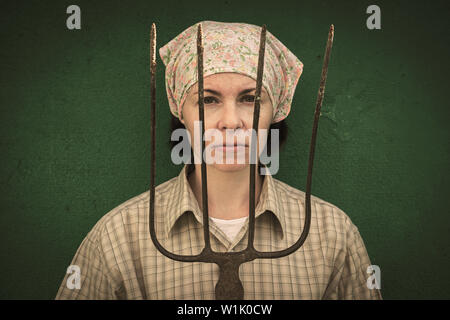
(248, 98)
(208, 100)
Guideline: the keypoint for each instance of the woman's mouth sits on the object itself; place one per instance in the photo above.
(230, 147)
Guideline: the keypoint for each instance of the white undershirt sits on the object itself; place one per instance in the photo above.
(230, 227)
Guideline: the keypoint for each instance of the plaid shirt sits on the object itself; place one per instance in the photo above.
(117, 258)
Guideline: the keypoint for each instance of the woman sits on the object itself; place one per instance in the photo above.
(117, 259)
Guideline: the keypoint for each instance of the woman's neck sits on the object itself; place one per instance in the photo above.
(228, 192)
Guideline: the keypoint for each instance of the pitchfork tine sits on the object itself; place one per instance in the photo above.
(157, 244)
(254, 143)
(201, 115)
(303, 236)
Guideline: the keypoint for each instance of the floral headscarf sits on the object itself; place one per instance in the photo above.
(230, 47)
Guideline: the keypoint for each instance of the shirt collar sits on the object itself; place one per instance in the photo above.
(182, 200)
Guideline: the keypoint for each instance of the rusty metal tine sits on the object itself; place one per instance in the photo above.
(153, 129)
(153, 155)
(303, 236)
(254, 144)
(201, 114)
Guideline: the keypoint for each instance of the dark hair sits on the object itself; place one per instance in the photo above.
(282, 126)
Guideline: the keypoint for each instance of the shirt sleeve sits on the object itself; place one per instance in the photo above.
(94, 280)
(350, 281)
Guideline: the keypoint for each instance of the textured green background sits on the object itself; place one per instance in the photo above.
(74, 130)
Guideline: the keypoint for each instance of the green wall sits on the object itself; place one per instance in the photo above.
(74, 130)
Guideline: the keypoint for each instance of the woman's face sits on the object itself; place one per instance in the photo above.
(228, 105)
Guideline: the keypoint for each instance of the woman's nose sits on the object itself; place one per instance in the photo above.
(230, 117)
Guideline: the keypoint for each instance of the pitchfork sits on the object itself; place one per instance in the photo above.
(229, 286)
